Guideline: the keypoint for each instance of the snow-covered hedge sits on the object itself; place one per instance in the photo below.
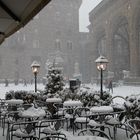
(88, 96)
(23, 95)
(132, 106)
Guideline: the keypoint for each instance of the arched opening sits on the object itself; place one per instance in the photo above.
(120, 51)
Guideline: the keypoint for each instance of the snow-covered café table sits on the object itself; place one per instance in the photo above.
(101, 109)
(72, 103)
(13, 104)
(14, 101)
(32, 113)
(53, 100)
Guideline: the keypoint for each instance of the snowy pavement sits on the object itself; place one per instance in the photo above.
(18, 87)
(120, 90)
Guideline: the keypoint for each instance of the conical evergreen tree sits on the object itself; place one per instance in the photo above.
(55, 82)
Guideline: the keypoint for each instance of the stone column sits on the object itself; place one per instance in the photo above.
(134, 62)
(109, 44)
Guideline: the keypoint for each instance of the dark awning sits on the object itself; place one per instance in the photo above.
(15, 14)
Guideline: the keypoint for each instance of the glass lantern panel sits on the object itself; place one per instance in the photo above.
(101, 66)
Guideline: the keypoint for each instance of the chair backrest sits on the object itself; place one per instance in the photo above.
(13, 116)
(134, 128)
(2, 101)
(48, 114)
(82, 111)
(58, 105)
(118, 99)
(54, 124)
(40, 103)
(26, 106)
(134, 124)
(93, 132)
(53, 137)
(23, 129)
(68, 111)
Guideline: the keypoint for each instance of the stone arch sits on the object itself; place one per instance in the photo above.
(120, 47)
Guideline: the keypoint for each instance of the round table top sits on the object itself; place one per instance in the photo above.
(101, 109)
(53, 100)
(86, 138)
(14, 101)
(72, 103)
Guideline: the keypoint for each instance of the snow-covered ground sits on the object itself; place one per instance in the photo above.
(120, 90)
(14, 87)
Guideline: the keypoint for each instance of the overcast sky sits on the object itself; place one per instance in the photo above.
(85, 8)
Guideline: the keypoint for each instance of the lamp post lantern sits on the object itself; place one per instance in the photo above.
(35, 66)
(101, 63)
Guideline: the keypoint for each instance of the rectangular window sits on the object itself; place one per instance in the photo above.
(35, 43)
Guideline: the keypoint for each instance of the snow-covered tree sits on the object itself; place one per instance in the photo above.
(55, 82)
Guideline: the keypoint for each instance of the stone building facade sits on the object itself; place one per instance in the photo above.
(56, 27)
(115, 30)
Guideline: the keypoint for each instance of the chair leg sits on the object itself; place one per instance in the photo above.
(108, 131)
(3, 126)
(131, 136)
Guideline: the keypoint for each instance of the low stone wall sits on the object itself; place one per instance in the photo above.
(132, 81)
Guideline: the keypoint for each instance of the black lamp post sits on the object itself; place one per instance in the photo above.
(101, 63)
(35, 69)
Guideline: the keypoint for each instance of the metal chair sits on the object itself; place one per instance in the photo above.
(51, 127)
(23, 130)
(94, 132)
(118, 117)
(117, 120)
(134, 128)
(10, 118)
(81, 116)
(68, 114)
(95, 124)
(40, 103)
(59, 109)
(53, 137)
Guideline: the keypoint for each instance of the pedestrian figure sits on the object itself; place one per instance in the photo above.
(110, 86)
(6, 83)
(25, 83)
(16, 81)
(31, 81)
(44, 81)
